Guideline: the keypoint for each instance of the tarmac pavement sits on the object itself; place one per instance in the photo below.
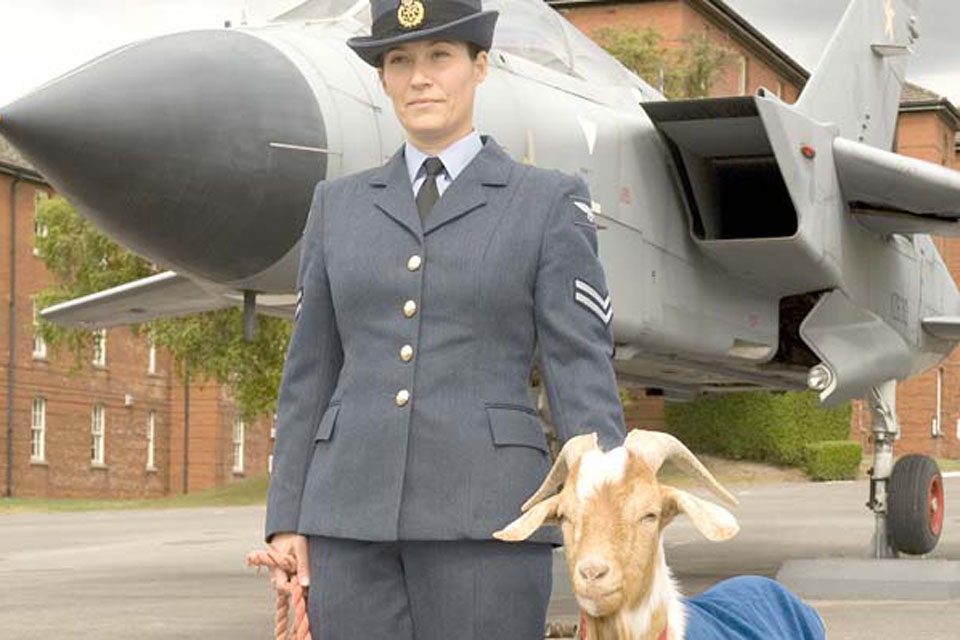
(162, 574)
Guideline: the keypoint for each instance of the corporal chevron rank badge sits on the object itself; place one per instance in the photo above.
(587, 296)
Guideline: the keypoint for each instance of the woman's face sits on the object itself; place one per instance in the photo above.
(432, 86)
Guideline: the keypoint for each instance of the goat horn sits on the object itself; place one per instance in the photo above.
(571, 452)
(655, 447)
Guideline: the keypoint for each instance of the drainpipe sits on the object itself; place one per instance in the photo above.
(11, 312)
(186, 426)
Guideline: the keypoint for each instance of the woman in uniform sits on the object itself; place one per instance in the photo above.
(405, 434)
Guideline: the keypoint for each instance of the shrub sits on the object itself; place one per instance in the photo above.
(769, 427)
(832, 460)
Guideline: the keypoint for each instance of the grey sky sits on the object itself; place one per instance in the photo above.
(803, 27)
(44, 38)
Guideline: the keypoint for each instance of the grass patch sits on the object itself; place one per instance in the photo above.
(246, 492)
(945, 464)
(948, 464)
(731, 473)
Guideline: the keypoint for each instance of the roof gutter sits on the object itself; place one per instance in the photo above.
(947, 109)
(17, 171)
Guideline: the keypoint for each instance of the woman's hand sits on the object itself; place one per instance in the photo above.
(295, 545)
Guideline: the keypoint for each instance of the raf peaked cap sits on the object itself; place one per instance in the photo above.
(398, 21)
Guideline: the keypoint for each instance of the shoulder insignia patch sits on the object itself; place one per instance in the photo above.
(587, 296)
(586, 209)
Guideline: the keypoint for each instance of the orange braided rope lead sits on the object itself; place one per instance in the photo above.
(301, 625)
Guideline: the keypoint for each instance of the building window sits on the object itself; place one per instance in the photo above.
(152, 357)
(96, 434)
(39, 230)
(742, 88)
(100, 347)
(237, 444)
(39, 344)
(151, 435)
(38, 426)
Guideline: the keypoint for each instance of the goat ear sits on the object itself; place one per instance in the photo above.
(571, 452)
(523, 527)
(713, 521)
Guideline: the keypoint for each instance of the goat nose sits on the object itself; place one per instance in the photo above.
(593, 570)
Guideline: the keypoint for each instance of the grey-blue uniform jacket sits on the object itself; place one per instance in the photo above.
(403, 411)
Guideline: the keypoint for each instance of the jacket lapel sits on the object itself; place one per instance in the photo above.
(394, 196)
(489, 168)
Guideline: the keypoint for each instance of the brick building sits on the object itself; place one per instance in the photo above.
(757, 62)
(927, 129)
(116, 428)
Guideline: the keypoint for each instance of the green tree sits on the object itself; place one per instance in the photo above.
(207, 345)
(638, 49)
(687, 71)
(698, 64)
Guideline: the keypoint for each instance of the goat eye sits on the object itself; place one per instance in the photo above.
(649, 518)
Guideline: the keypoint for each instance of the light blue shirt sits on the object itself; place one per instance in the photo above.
(455, 158)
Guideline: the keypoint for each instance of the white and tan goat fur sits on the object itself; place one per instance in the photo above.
(612, 512)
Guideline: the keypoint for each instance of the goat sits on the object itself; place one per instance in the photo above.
(612, 513)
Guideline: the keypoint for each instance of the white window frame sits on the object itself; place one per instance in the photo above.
(39, 344)
(152, 354)
(743, 75)
(100, 348)
(151, 439)
(238, 433)
(39, 230)
(38, 429)
(97, 434)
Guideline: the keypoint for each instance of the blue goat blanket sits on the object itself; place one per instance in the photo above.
(750, 608)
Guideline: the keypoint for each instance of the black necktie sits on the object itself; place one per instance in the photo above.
(429, 194)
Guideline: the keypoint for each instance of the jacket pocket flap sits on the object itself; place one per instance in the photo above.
(325, 428)
(516, 425)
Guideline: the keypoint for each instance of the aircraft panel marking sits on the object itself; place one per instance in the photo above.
(590, 131)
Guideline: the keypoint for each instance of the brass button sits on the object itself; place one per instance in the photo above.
(414, 263)
(410, 308)
(403, 397)
(406, 353)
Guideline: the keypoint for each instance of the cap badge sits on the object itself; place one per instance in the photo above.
(410, 13)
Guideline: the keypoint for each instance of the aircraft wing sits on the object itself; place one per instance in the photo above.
(890, 193)
(163, 295)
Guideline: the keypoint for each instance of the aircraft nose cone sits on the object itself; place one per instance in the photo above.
(180, 147)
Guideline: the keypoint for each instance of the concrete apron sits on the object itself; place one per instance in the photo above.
(872, 579)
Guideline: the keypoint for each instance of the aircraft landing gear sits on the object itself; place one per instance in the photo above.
(915, 505)
(906, 498)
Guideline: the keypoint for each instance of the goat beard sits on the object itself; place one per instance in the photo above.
(599, 604)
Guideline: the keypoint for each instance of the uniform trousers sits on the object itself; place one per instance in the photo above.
(428, 590)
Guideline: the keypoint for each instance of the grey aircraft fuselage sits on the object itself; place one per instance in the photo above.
(737, 255)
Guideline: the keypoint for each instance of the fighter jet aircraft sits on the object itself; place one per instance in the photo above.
(748, 243)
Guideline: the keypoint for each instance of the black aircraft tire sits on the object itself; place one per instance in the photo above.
(915, 505)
